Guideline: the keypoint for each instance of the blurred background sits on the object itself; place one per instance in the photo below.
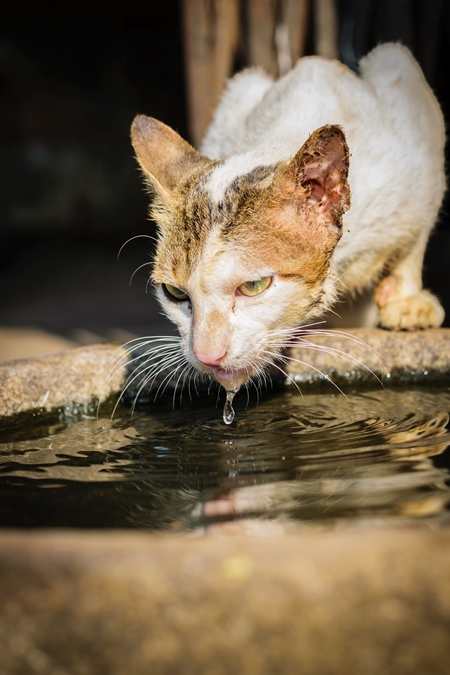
(70, 85)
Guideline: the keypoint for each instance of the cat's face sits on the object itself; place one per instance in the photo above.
(241, 262)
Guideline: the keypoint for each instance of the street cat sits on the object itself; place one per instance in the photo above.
(321, 184)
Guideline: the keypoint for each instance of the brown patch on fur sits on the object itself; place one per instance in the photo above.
(294, 224)
(184, 230)
(312, 193)
(176, 174)
(286, 217)
(216, 318)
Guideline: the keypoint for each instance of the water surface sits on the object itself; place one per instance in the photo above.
(292, 461)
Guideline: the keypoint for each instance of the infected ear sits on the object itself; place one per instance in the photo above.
(315, 181)
(323, 163)
(165, 158)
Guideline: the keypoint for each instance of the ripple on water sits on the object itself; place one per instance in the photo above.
(292, 460)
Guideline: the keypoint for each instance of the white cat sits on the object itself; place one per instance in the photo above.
(253, 240)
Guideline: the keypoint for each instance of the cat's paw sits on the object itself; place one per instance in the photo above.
(421, 310)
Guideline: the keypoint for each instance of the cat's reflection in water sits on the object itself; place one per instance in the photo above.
(292, 462)
(390, 482)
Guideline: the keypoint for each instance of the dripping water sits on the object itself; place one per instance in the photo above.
(228, 410)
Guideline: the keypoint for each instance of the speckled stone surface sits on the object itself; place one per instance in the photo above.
(359, 602)
(80, 376)
(83, 375)
(360, 353)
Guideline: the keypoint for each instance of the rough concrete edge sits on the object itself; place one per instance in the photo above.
(79, 377)
(338, 602)
(366, 355)
(357, 356)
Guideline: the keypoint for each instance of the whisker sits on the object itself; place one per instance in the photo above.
(152, 368)
(257, 390)
(213, 381)
(258, 378)
(308, 327)
(271, 362)
(342, 356)
(136, 236)
(137, 270)
(186, 368)
(195, 384)
(152, 364)
(165, 382)
(154, 353)
(333, 351)
(122, 360)
(262, 377)
(303, 331)
(297, 338)
(285, 358)
(153, 338)
(190, 372)
(248, 395)
(153, 374)
(142, 342)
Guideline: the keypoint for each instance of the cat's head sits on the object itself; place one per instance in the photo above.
(244, 249)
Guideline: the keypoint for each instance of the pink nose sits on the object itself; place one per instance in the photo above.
(210, 359)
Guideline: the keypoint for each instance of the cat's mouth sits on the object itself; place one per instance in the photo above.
(231, 379)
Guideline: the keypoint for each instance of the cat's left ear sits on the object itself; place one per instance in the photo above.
(318, 176)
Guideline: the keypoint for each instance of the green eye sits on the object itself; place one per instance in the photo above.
(251, 288)
(175, 293)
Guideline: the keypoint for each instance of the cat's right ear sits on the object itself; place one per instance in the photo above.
(165, 158)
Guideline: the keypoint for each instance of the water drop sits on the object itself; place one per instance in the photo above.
(228, 411)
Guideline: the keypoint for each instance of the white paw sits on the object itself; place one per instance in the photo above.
(421, 310)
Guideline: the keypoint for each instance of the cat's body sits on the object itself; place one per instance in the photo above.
(259, 238)
(395, 132)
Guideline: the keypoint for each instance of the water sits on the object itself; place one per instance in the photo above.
(291, 462)
(228, 410)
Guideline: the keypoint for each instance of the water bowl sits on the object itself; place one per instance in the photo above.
(309, 535)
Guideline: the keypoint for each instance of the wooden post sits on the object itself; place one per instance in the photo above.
(274, 34)
(326, 29)
(210, 30)
(296, 14)
(291, 31)
(261, 16)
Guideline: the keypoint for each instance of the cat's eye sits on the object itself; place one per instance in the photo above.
(251, 288)
(174, 293)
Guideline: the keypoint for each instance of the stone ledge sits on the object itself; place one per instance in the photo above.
(80, 376)
(416, 356)
(77, 377)
(372, 601)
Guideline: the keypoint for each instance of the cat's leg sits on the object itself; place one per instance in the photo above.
(403, 303)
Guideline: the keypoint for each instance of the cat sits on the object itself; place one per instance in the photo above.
(321, 184)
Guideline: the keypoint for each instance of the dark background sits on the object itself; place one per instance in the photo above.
(70, 85)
